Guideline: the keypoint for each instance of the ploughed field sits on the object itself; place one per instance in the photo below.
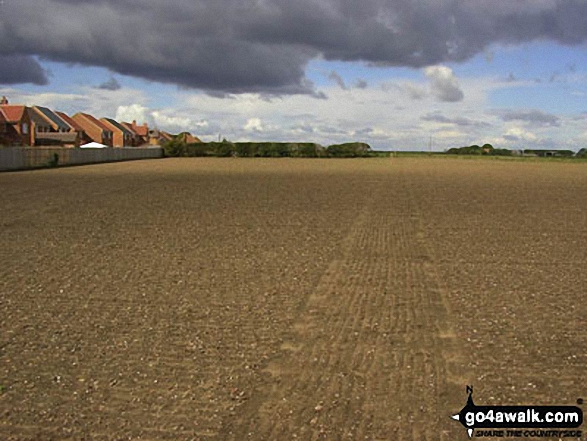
(283, 299)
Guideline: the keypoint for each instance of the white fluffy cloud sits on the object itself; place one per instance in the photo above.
(253, 125)
(385, 115)
(444, 84)
(519, 134)
(135, 112)
(171, 120)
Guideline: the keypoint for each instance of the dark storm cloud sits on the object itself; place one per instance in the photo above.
(112, 84)
(15, 69)
(234, 46)
(533, 117)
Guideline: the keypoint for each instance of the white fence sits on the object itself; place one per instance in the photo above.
(22, 158)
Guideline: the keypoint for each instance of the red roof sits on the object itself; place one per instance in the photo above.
(12, 113)
(140, 130)
(165, 135)
(69, 121)
(129, 127)
(95, 121)
(188, 138)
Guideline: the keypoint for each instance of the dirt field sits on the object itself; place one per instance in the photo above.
(235, 299)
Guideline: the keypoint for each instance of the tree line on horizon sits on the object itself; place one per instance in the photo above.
(177, 148)
(488, 149)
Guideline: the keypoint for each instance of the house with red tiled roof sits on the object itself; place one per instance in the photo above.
(165, 136)
(158, 137)
(135, 137)
(75, 127)
(18, 124)
(39, 124)
(188, 138)
(122, 137)
(69, 120)
(51, 129)
(95, 129)
(141, 132)
(47, 118)
(3, 129)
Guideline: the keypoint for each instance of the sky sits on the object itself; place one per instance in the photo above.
(397, 74)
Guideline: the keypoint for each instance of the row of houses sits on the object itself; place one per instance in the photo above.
(22, 125)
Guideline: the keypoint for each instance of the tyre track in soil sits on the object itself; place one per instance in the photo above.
(373, 353)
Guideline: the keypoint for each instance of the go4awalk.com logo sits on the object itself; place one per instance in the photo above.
(520, 421)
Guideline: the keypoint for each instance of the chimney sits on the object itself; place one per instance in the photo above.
(4, 100)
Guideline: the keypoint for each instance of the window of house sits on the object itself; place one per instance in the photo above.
(25, 129)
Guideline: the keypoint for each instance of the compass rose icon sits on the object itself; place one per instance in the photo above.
(469, 407)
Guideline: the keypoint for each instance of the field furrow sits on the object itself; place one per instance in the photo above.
(367, 355)
(235, 299)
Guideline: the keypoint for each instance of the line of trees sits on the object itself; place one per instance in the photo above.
(177, 148)
(485, 149)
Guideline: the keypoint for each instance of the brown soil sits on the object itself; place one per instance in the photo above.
(237, 299)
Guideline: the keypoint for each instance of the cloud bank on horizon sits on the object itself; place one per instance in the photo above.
(264, 46)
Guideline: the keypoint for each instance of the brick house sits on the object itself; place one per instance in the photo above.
(51, 129)
(188, 138)
(165, 136)
(122, 137)
(48, 119)
(158, 137)
(75, 127)
(142, 132)
(136, 139)
(41, 122)
(17, 124)
(3, 129)
(95, 129)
